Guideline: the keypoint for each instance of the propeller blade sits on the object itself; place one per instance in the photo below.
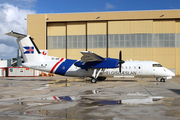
(120, 61)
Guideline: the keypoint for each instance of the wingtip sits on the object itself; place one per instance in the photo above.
(11, 32)
(86, 51)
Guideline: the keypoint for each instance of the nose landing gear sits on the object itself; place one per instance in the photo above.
(162, 80)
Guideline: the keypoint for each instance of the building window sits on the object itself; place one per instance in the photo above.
(76, 41)
(114, 41)
(56, 42)
(97, 41)
(143, 40)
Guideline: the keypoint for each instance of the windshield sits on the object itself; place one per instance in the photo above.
(157, 65)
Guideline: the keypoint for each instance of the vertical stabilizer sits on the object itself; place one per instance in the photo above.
(28, 49)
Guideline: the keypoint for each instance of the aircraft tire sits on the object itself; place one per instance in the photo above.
(93, 80)
(162, 80)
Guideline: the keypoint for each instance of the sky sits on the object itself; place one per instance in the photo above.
(14, 12)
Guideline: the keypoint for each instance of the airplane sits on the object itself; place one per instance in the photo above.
(90, 65)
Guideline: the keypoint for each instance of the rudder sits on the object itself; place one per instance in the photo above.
(28, 49)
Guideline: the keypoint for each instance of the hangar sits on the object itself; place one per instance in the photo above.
(140, 35)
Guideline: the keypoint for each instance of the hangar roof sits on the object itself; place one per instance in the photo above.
(122, 15)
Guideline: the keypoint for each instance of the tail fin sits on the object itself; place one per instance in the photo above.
(28, 49)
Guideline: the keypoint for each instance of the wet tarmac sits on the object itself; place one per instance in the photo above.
(54, 98)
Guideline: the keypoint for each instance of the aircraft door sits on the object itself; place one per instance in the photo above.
(139, 69)
(153, 72)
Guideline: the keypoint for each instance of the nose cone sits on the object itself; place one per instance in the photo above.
(170, 73)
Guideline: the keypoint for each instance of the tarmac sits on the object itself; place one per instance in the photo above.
(58, 97)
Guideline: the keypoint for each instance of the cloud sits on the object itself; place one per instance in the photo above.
(109, 6)
(11, 18)
(7, 50)
(26, 4)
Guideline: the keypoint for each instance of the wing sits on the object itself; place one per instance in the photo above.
(89, 56)
(92, 60)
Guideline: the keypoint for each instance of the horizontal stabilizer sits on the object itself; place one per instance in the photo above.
(17, 35)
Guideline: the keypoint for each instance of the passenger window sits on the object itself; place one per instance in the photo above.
(139, 67)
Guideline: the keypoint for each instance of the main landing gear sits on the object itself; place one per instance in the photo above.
(97, 71)
(95, 75)
(93, 80)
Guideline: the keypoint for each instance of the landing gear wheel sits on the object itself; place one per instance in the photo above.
(162, 80)
(93, 80)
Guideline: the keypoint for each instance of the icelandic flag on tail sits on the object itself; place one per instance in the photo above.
(29, 50)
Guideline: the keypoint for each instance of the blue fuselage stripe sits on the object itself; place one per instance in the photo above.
(64, 66)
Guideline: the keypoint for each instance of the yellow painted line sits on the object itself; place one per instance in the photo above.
(134, 80)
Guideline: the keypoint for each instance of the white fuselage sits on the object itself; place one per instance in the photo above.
(129, 69)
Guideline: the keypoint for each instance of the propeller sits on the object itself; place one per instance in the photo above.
(120, 61)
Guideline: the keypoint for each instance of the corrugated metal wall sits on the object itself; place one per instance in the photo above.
(76, 36)
(56, 29)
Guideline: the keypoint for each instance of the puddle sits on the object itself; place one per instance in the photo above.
(83, 100)
(88, 92)
(72, 107)
(44, 107)
(137, 94)
(91, 102)
(148, 100)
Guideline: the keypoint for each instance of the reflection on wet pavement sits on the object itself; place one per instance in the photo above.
(71, 112)
(81, 102)
(68, 99)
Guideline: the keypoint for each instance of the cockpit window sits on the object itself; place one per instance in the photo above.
(157, 65)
